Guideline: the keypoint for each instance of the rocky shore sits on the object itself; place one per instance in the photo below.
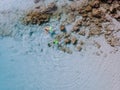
(89, 19)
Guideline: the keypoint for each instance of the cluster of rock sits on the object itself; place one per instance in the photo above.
(36, 18)
(93, 16)
(65, 39)
(40, 15)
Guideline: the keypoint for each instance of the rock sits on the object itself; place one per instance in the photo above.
(108, 32)
(103, 10)
(51, 8)
(36, 18)
(97, 44)
(88, 8)
(113, 41)
(84, 14)
(79, 48)
(96, 13)
(73, 40)
(59, 37)
(81, 11)
(70, 18)
(67, 35)
(62, 27)
(113, 9)
(78, 23)
(96, 21)
(49, 44)
(88, 23)
(67, 41)
(81, 43)
(65, 49)
(95, 32)
(82, 32)
(76, 28)
(36, 1)
(73, 7)
(96, 4)
(107, 1)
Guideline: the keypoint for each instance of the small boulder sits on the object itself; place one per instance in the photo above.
(73, 40)
(88, 8)
(96, 4)
(79, 47)
(76, 28)
(67, 41)
(62, 27)
(96, 13)
(82, 32)
(78, 23)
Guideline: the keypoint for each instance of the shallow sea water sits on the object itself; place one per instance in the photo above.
(26, 62)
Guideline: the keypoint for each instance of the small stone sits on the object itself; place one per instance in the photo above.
(95, 32)
(84, 14)
(68, 51)
(65, 49)
(82, 32)
(52, 7)
(67, 35)
(81, 11)
(76, 28)
(79, 48)
(109, 1)
(49, 45)
(103, 10)
(97, 44)
(67, 41)
(36, 1)
(62, 27)
(81, 43)
(96, 4)
(78, 23)
(96, 13)
(88, 8)
(73, 40)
